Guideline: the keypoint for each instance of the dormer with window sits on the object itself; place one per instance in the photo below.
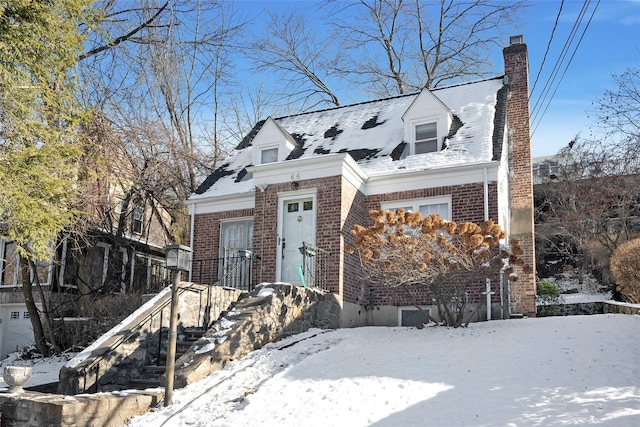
(426, 123)
(272, 143)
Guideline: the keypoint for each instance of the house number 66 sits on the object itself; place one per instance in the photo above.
(295, 176)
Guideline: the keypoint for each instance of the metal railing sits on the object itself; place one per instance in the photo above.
(314, 266)
(93, 368)
(233, 270)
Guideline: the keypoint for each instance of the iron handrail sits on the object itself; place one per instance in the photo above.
(94, 365)
(134, 329)
(314, 266)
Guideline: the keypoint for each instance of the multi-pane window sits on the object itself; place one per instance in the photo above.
(269, 155)
(436, 205)
(441, 209)
(138, 220)
(236, 234)
(426, 138)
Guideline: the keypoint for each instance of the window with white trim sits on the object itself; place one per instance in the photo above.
(269, 155)
(432, 205)
(236, 234)
(426, 138)
(10, 266)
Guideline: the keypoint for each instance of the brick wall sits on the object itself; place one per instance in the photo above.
(206, 243)
(520, 174)
(467, 204)
(328, 226)
(339, 207)
(354, 212)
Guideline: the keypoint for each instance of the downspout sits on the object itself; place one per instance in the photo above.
(485, 186)
(262, 188)
(486, 194)
(192, 212)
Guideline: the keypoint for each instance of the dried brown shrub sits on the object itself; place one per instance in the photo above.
(403, 248)
(625, 267)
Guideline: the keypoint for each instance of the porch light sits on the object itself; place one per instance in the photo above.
(177, 257)
(244, 254)
(177, 260)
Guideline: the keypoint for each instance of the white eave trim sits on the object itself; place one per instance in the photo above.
(431, 178)
(335, 164)
(230, 202)
(342, 164)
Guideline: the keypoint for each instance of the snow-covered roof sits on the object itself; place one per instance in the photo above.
(373, 134)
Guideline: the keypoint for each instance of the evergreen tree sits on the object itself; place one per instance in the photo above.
(40, 142)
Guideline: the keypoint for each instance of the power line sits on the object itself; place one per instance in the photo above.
(567, 66)
(555, 25)
(556, 68)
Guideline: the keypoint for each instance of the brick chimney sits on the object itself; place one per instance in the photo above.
(516, 68)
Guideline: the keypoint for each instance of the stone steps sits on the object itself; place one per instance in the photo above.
(150, 374)
(144, 383)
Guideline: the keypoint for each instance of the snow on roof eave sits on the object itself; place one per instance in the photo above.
(434, 170)
(326, 165)
(204, 197)
(304, 161)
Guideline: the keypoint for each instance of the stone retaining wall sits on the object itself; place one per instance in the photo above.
(110, 362)
(599, 307)
(269, 313)
(621, 307)
(32, 409)
(573, 309)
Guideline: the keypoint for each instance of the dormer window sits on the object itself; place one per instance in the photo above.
(272, 144)
(269, 155)
(426, 138)
(426, 122)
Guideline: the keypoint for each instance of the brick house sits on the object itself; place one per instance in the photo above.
(122, 251)
(298, 184)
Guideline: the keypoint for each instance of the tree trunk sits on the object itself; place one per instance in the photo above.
(48, 329)
(34, 315)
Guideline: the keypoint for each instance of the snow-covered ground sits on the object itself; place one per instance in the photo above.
(44, 371)
(576, 291)
(556, 371)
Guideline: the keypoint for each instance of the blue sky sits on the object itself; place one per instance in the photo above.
(610, 45)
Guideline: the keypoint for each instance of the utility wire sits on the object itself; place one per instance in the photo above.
(544, 58)
(556, 68)
(567, 67)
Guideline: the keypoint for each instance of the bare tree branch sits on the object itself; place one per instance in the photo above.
(125, 37)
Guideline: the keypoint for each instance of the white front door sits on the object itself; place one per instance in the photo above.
(298, 226)
(16, 331)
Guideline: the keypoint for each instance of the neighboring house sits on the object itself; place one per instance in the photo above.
(122, 251)
(300, 183)
(578, 225)
(545, 169)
